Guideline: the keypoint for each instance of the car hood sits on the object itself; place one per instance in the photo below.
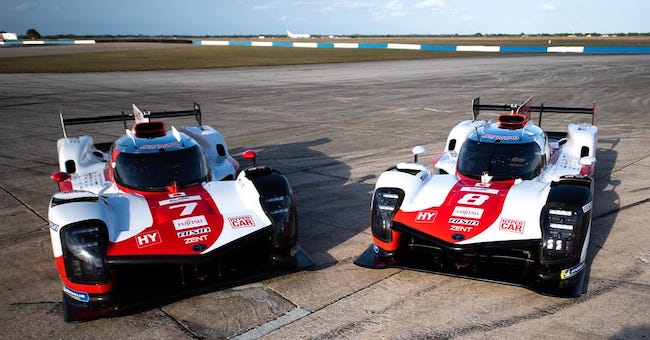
(466, 211)
(194, 221)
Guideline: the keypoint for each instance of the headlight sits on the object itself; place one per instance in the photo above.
(384, 206)
(84, 247)
(281, 212)
(559, 233)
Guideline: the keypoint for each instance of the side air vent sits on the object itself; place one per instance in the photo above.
(149, 130)
(221, 151)
(513, 121)
(584, 151)
(452, 145)
(70, 166)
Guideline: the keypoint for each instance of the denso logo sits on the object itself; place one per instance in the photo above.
(190, 222)
(148, 239)
(193, 232)
(454, 220)
(515, 226)
(467, 212)
(426, 216)
(241, 221)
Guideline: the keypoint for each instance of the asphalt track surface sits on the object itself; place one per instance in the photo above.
(333, 129)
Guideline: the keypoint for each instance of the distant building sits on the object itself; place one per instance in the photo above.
(8, 36)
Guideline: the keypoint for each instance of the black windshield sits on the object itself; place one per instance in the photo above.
(156, 171)
(503, 161)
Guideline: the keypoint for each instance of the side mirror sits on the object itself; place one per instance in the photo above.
(62, 179)
(418, 150)
(250, 154)
(60, 176)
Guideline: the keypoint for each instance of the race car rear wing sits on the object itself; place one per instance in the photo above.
(137, 116)
(526, 108)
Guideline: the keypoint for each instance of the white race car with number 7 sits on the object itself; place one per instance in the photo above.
(505, 201)
(159, 212)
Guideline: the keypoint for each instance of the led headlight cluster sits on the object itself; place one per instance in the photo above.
(560, 237)
(384, 206)
(84, 247)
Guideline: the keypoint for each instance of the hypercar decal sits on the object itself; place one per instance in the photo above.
(469, 209)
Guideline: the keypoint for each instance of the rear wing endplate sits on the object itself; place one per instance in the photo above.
(123, 117)
(527, 108)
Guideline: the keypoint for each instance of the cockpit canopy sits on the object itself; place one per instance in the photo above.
(503, 161)
(158, 171)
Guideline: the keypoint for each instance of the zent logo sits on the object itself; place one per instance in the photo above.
(426, 216)
(241, 221)
(149, 239)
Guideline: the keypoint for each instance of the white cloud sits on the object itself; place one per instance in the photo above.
(546, 8)
(430, 4)
(260, 7)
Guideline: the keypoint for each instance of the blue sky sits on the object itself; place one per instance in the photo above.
(256, 17)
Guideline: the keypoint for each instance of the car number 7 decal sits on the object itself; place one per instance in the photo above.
(188, 208)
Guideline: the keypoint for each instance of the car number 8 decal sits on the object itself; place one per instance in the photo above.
(473, 199)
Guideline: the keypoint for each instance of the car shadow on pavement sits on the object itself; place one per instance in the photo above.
(606, 200)
(333, 206)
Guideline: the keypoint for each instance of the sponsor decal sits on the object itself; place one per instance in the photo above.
(512, 225)
(241, 221)
(79, 296)
(567, 273)
(193, 232)
(462, 228)
(148, 239)
(587, 207)
(454, 220)
(467, 212)
(497, 137)
(480, 189)
(458, 237)
(190, 222)
(55, 227)
(426, 216)
(195, 239)
(182, 198)
(159, 146)
(199, 247)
